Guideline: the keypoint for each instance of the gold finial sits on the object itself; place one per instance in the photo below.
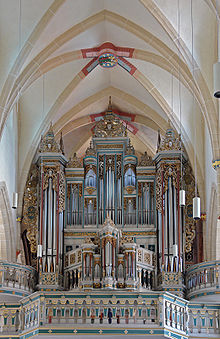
(110, 103)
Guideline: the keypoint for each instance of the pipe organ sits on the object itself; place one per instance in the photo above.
(112, 219)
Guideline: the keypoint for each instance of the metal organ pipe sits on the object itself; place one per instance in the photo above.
(54, 228)
(44, 231)
(50, 223)
(170, 207)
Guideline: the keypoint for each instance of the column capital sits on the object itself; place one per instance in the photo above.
(216, 163)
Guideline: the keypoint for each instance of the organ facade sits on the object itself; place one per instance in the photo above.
(110, 220)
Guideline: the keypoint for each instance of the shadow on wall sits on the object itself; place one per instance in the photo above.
(7, 237)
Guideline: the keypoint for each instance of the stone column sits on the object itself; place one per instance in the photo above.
(216, 165)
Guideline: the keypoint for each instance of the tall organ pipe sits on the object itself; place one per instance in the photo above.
(162, 213)
(57, 221)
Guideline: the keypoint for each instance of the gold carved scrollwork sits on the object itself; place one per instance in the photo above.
(110, 126)
(101, 166)
(61, 191)
(50, 172)
(90, 201)
(129, 201)
(139, 189)
(30, 215)
(189, 221)
(146, 160)
(118, 166)
(110, 162)
(170, 142)
(159, 189)
(170, 170)
(74, 162)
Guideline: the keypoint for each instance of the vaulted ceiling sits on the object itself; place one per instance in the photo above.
(47, 51)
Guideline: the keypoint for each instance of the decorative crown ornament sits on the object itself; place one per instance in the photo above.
(91, 150)
(108, 222)
(48, 143)
(146, 160)
(170, 142)
(74, 162)
(130, 149)
(110, 125)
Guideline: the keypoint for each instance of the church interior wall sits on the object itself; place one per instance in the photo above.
(56, 86)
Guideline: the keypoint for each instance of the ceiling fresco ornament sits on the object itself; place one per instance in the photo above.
(170, 142)
(146, 160)
(74, 162)
(110, 125)
(48, 143)
(30, 209)
(108, 60)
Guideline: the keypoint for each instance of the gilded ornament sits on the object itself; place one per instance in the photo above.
(130, 189)
(30, 215)
(146, 160)
(91, 150)
(170, 142)
(48, 143)
(74, 162)
(129, 149)
(110, 126)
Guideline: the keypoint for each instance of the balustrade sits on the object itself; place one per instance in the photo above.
(204, 319)
(202, 278)
(176, 313)
(91, 314)
(59, 308)
(18, 277)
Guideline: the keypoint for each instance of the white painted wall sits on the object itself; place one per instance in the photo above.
(8, 169)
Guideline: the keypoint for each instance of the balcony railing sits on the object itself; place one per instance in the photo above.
(203, 278)
(204, 320)
(17, 279)
(121, 312)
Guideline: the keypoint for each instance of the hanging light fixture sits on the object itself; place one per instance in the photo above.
(182, 193)
(196, 208)
(216, 66)
(15, 194)
(182, 198)
(15, 200)
(196, 200)
(39, 251)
